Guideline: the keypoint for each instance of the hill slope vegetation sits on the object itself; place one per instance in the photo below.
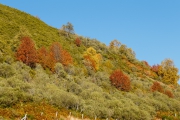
(44, 70)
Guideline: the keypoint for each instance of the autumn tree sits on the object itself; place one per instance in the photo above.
(42, 53)
(55, 50)
(45, 58)
(60, 55)
(169, 93)
(50, 62)
(120, 80)
(23, 32)
(168, 72)
(48, 58)
(93, 57)
(156, 87)
(66, 58)
(26, 52)
(77, 42)
(155, 68)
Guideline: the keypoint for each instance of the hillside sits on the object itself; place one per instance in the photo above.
(45, 71)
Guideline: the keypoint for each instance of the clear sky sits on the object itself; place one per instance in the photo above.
(150, 27)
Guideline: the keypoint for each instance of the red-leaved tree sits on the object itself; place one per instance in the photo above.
(120, 80)
(169, 94)
(157, 87)
(77, 42)
(26, 52)
(155, 68)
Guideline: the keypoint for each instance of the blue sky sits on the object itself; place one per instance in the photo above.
(150, 27)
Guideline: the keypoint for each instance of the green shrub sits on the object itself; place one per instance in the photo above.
(6, 70)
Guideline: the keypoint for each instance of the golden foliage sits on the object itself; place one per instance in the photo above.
(168, 72)
(93, 57)
(167, 115)
(34, 111)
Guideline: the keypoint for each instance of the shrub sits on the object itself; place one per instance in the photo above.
(77, 42)
(6, 70)
(59, 70)
(157, 87)
(169, 93)
(155, 68)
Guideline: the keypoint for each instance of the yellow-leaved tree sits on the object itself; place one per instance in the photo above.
(94, 58)
(168, 72)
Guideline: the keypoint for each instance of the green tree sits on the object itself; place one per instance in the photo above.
(126, 52)
(67, 29)
(70, 28)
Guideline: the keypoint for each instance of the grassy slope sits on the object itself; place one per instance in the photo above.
(77, 85)
(12, 19)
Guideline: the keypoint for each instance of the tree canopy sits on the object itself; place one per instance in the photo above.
(168, 72)
(26, 52)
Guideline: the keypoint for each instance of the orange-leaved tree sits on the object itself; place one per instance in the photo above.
(42, 53)
(66, 58)
(45, 58)
(26, 52)
(60, 55)
(120, 80)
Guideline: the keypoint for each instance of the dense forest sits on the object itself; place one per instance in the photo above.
(49, 73)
